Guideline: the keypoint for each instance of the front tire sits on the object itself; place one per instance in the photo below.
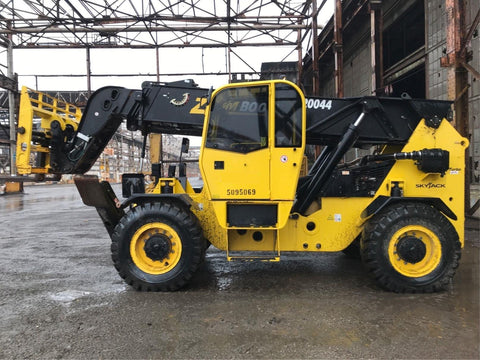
(157, 247)
(411, 247)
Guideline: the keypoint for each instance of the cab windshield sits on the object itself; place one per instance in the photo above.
(239, 119)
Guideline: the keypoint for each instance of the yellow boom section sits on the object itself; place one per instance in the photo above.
(37, 112)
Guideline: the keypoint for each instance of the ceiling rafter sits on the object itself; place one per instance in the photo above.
(67, 23)
(149, 24)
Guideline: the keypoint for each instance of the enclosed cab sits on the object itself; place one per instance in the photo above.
(252, 151)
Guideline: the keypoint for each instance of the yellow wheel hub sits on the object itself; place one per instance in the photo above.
(414, 251)
(155, 248)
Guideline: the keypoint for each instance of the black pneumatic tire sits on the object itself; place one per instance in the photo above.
(411, 247)
(157, 247)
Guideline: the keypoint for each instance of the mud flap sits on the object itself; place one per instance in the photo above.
(101, 196)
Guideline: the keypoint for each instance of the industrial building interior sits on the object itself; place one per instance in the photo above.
(426, 49)
(373, 254)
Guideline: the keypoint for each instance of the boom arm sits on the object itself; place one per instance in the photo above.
(341, 124)
(388, 120)
(68, 144)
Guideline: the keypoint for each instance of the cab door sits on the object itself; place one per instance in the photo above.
(235, 158)
(287, 141)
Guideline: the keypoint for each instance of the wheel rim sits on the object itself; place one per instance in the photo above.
(414, 251)
(156, 248)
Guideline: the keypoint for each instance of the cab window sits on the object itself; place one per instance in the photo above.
(239, 119)
(288, 116)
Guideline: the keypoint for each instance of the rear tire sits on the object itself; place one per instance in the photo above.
(411, 247)
(157, 247)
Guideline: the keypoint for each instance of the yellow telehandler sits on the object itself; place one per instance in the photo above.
(401, 207)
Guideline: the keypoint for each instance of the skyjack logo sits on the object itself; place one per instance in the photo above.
(431, 186)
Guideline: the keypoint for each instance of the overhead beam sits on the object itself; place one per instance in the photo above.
(140, 74)
(48, 29)
(148, 46)
(159, 18)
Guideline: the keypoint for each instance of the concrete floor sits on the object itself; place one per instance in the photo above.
(60, 297)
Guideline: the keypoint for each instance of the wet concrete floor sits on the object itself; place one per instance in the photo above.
(60, 297)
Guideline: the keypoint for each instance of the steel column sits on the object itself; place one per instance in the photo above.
(157, 57)
(229, 34)
(89, 72)
(316, 75)
(300, 58)
(315, 59)
(376, 29)
(338, 47)
(457, 82)
(463, 51)
(11, 102)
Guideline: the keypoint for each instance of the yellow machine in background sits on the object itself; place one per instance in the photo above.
(38, 112)
(401, 206)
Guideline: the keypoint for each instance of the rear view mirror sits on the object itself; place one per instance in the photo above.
(185, 145)
(209, 96)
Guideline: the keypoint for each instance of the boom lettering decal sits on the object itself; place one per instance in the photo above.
(319, 104)
(197, 108)
(245, 106)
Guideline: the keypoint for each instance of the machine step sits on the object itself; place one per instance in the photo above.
(247, 256)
